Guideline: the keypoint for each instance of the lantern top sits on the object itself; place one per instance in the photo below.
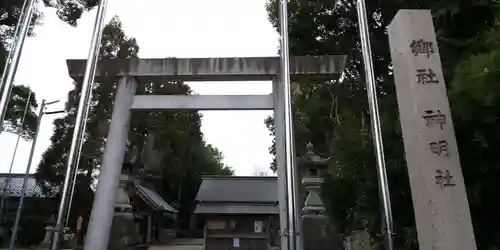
(312, 160)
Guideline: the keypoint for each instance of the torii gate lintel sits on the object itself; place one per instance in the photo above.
(214, 69)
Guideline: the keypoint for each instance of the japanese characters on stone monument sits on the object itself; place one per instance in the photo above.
(439, 197)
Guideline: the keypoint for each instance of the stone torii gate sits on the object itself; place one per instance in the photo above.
(131, 72)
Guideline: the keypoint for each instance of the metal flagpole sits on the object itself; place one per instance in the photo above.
(7, 180)
(375, 123)
(294, 215)
(73, 184)
(80, 117)
(25, 179)
(80, 143)
(279, 124)
(14, 40)
(12, 61)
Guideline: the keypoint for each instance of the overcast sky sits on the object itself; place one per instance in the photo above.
(163, 28)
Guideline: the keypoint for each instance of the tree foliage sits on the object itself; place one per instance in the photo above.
(68, 11)
(16, 121)
(178, 153)
(335, 117)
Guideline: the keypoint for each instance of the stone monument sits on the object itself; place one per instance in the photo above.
(439, 199)
(318, 235)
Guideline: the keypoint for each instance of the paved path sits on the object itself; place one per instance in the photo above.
(169, 247)
(176, 244)
(181, 244)
(177, 247)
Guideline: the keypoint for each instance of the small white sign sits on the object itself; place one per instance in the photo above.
(257, 226)
(236, 242)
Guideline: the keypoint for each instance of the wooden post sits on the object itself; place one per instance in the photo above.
(439, 198)
(149, 229)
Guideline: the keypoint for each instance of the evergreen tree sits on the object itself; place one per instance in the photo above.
(15, 119)
(335, 117)
(68, 11)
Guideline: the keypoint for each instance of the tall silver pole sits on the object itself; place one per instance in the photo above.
(279, 126)
(73, 184)
(25, 179)
(77, 164)
(80, 117)
(12, 62)
(7, 180)
(375, 123)
(14, 40)
(294, 212)
(81, 141)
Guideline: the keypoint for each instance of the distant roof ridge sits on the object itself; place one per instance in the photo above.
(238, 189)
(215, 202)
(13, 184)
(208, 177)
(16, 175)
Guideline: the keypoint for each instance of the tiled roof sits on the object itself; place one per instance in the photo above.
(236, 209)
(12, 186)
(153, 199)
(238, 189)
(237, 195)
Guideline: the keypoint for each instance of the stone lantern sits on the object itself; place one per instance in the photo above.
(49, 232)
(124, 229)
(312, 167)
(315, 225)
